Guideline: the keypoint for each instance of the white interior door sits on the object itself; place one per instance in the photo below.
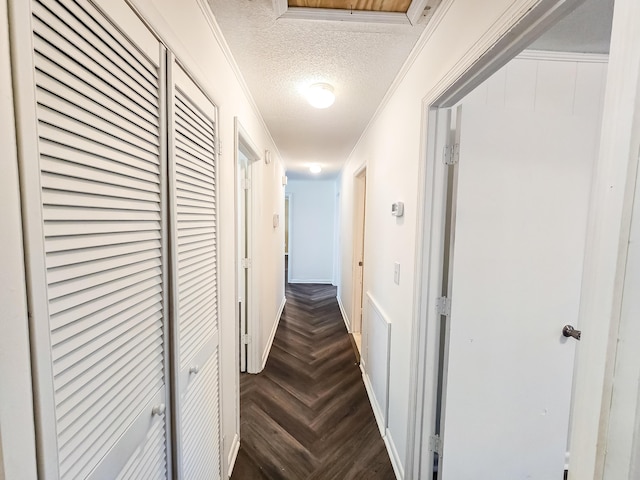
(360, 188)
(243, 253)
(194, 234)
(520, 222)
(100, 108)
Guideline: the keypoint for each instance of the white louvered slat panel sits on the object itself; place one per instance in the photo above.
(200, 423)
(194, 237)
(195, 191)
(98, 108)
(145, 462)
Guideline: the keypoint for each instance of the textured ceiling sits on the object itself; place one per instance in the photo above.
(278, 58)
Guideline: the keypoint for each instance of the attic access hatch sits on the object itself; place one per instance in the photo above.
(370, 11)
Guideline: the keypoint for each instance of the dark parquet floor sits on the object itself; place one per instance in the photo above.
(307, 416)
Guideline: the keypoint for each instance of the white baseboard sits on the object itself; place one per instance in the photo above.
(396, 462)
(325, 281)
(345, 318)
(375, 406)
(272, 335)
(233, 454)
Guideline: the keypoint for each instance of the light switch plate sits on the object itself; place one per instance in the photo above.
(396, 273)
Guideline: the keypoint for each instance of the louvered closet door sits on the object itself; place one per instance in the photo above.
(193, 177)
(100, 109)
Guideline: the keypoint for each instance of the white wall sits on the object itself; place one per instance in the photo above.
(269, 254)
(17, 435)
(187, 29)
(311, 237)
(392, 147)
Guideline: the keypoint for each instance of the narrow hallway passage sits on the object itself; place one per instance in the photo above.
(307, 416)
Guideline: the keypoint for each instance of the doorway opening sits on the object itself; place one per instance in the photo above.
(359, 221)
(246, 156)
(287, 229)
(512, 151)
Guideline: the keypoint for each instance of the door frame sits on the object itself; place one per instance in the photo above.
(609, 224)
(288, 196)
(243, 142)
(359, 226)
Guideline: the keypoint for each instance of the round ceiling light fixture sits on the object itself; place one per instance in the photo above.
(315, 168)
(320, 95)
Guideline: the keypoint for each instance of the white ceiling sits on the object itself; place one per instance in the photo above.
(278, 58)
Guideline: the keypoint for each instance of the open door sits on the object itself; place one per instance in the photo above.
(243, 256)
(247, 297)
(360, 189)
(513, 277)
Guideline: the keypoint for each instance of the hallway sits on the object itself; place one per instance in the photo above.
(307, 416)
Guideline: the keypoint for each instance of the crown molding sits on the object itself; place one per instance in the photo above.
(563, 56)
(224, 46)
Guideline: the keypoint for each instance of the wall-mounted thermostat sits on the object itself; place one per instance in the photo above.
(397, 209)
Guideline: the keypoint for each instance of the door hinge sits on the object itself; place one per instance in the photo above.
(246, 263)
(451, 154)
(435, 444)
(246, 339)
(443, 306)
(246, 183)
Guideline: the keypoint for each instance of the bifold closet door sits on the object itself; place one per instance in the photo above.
(100, 98)
(193, 192)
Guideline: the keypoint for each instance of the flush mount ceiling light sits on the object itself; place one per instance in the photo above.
(315, 168)
(320, 95)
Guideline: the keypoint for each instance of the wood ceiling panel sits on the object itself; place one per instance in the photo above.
(396, 6)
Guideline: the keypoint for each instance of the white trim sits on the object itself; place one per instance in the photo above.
(272, 335)
(21, 43)
(243, 142)
(394, 456)
(375, 406)
(172, 416)
(339, 15)
(358, 238)
(563, 56)
(18, 437)
(233, 454)
(280, 7)
(605, 425)
(324, 281)
(345, 317)
(416, 12)
(413, 16)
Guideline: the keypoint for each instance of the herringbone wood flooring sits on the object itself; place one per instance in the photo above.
(307, 416)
